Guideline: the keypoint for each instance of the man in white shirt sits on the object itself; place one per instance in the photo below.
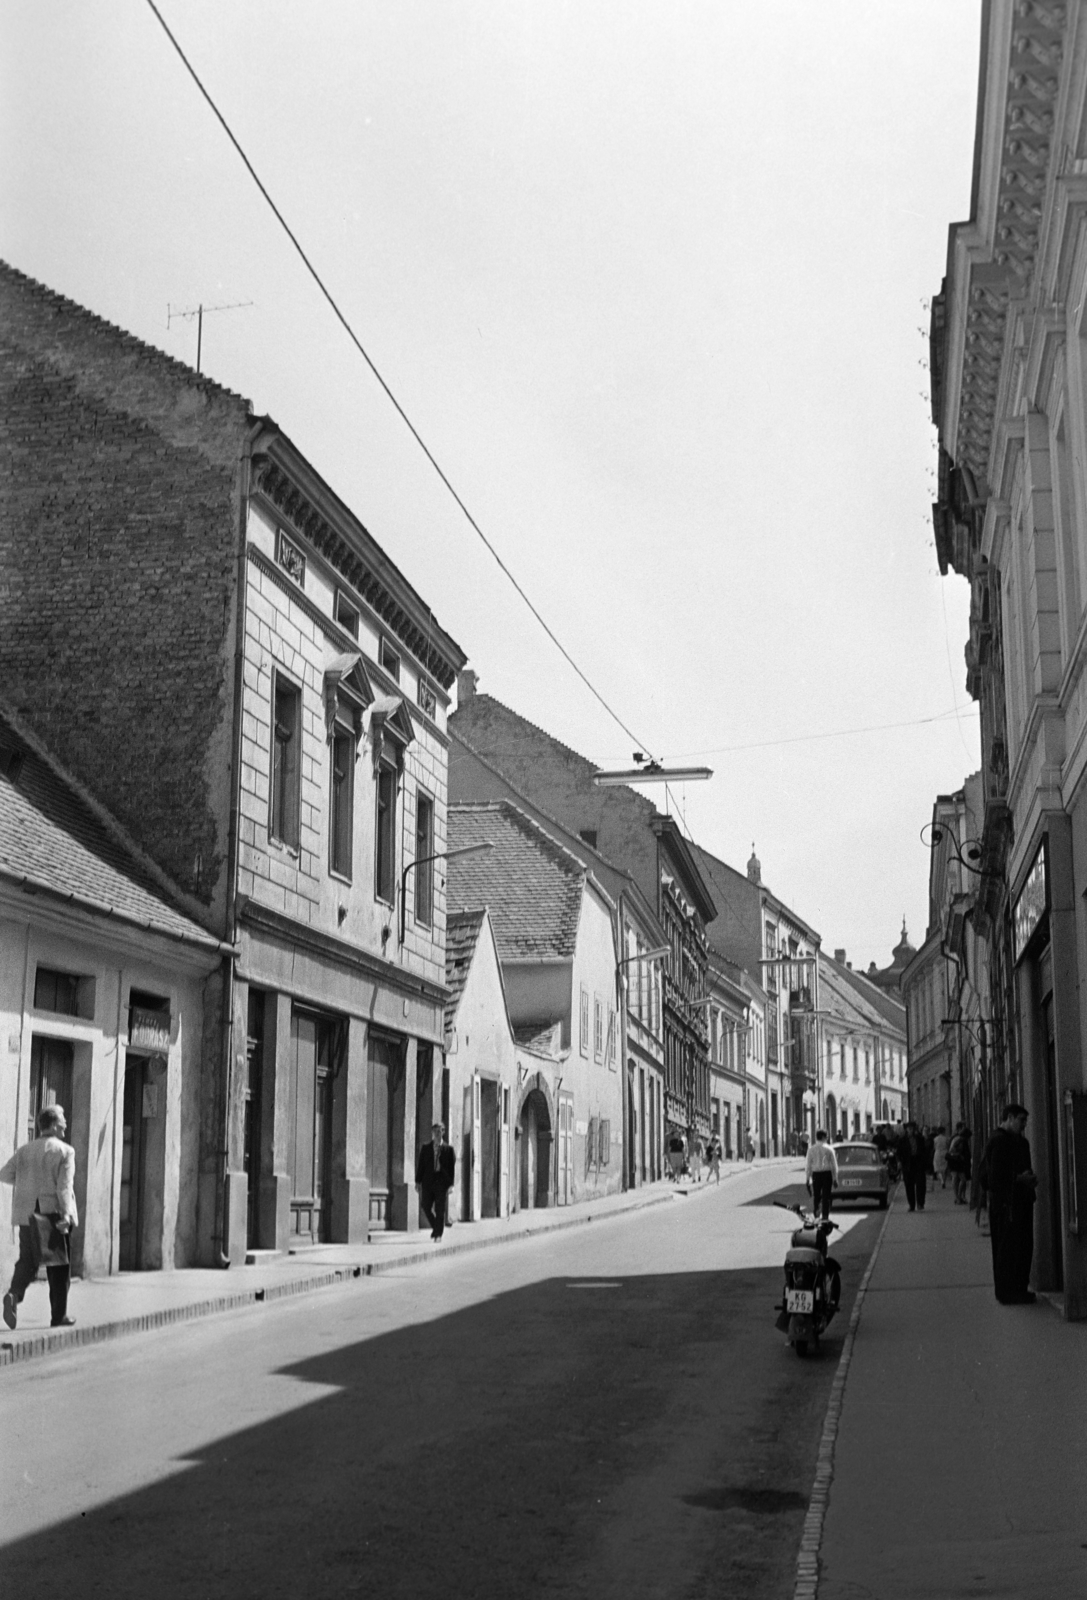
(43, 1173)
(821, 1173)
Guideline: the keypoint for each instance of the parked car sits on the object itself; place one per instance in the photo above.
(862, 1174)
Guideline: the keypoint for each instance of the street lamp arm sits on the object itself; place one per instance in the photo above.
(422, 861)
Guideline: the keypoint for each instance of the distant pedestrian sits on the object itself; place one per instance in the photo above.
(435, 1167)
(821, 1173)
(913, 1159)
(697, 1154)
(939, 1156)
(676, 1155)
(958, 1162)
(1011, 1184)
(713, 1156)
(928, 1137)
(749, 1153)
(43, 1173)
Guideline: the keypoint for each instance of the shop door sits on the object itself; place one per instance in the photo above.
(384, 1065)
(310, 1126)
(133, 1165)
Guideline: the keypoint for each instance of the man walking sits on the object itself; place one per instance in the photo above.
(43, 1173)
(913, 1158)
(435, 1166)
(821, 1173)
(1011, 1184)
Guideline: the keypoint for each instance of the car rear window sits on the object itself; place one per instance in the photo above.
(857, 1156)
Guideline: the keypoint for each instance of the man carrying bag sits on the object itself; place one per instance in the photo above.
(44, 1209)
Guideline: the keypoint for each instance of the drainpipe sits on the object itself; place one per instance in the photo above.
(245, 468)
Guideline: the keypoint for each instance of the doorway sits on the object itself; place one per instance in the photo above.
(535, 1152)
(310, 1135)
(386, 1065)
(564, 1189)
(133, 1165)
(489, 1099)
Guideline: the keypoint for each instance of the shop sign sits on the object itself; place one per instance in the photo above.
(149, 1030)
(1032, 904)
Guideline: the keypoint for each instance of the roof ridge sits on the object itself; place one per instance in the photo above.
(533, 829)
(140, 346)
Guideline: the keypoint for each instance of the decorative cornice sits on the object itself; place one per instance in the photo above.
(270, 480)
(1026, 138)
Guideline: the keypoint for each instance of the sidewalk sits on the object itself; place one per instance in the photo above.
(960, 1466)
(135, 1302)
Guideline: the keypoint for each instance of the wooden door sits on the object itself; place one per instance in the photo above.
(477, 1165)
(384, 1057)
(309, 1148)
(50, 1080)
(565, 1175)
(130, 1210)
(504, 1156)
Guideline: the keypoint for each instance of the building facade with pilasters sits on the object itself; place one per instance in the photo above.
(230, 662)
(1009, 398)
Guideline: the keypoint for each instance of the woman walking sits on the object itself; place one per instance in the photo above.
(939, 1156)
(958, 1162)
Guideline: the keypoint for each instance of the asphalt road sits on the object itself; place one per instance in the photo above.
(607, 1411)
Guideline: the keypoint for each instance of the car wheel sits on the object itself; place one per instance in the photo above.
(883, 1202)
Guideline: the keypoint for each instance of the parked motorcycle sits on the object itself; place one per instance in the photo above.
(813, 1282)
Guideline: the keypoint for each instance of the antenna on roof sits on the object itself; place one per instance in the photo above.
(199, 313)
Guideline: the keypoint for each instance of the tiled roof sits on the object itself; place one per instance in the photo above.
(461, 937)
(531, 885)
(842, 1002)
(52, 842)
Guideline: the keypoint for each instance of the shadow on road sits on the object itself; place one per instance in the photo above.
(640, 1437)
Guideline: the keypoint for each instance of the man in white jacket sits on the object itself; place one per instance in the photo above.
(821, 1173)
(43, 1173)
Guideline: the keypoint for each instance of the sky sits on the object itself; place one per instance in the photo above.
(652, 282)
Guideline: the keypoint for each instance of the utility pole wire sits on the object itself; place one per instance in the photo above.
(311, 269)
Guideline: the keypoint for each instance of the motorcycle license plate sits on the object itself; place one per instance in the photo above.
(851, 1183)
(800, 1300)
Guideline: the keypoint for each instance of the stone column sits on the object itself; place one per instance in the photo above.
(350, 1181)
(403, 1201)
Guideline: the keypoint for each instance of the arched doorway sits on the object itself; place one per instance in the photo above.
(535, 1152)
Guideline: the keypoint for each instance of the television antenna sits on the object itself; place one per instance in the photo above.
(200, 312)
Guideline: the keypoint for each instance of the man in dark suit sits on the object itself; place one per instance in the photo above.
(435, 1166)
(1011, 1184)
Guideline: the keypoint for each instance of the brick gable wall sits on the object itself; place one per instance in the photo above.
(119, 497)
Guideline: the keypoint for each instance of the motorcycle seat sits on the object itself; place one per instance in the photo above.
(803, 1257)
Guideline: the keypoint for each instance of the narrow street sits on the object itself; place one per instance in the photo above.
(604, 1411)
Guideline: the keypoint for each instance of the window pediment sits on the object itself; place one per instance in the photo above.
(391, 728)
(347, 692)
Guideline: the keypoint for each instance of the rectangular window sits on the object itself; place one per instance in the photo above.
(856, 1070)
(424, 847)
(57, 992)
(604, 1146)
(341, 800)
(385, 851)
(389, 659)
(583, 1037)
(598, 1028)
(609, 1046)
(346, 614)
(286, 761)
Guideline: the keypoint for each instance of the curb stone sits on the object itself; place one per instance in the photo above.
(807, 1561)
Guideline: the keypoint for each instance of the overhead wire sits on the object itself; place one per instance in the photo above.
(412, 429)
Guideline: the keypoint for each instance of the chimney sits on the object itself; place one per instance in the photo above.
(839, 956)
(466, 686)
